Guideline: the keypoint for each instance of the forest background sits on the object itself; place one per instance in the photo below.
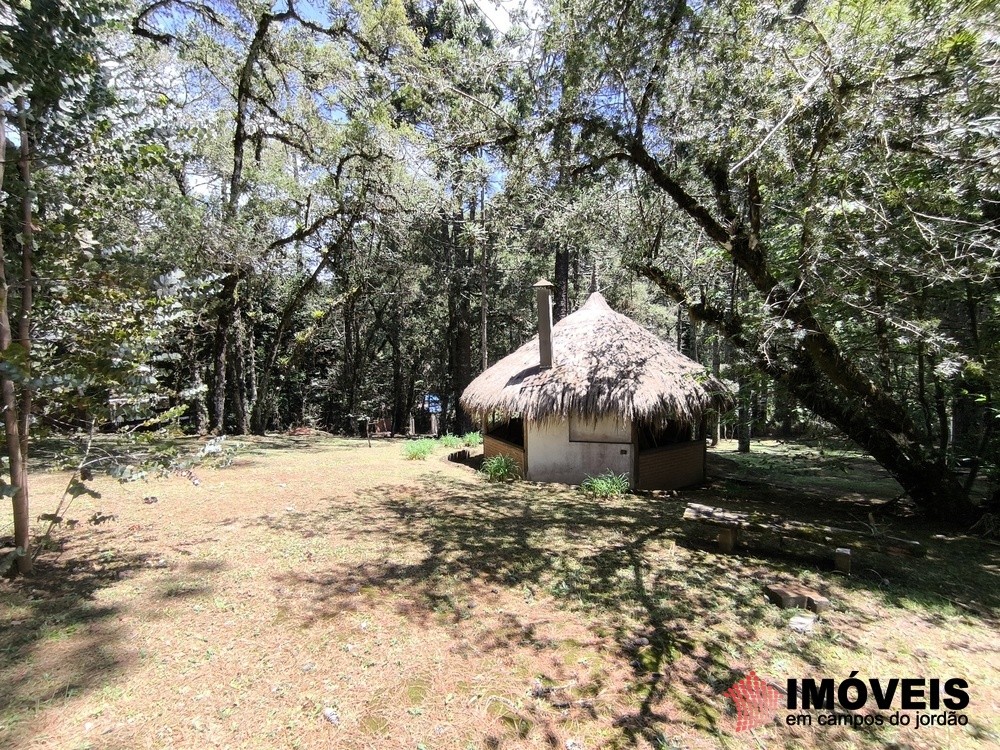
(235, 216)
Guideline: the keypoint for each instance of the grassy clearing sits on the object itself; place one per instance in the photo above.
(424, 606)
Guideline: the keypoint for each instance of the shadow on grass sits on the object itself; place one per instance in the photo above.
(617, 559)
(679, 618)
(959, 574)
(60, 642)
(58, 625)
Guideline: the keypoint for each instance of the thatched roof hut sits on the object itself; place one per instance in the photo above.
(564, 404)
(603, 365)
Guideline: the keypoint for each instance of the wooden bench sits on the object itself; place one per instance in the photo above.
(839, 541)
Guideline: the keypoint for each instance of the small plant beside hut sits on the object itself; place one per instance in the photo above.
(501, 468)
(607, 485)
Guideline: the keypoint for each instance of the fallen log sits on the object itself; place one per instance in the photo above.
(781, 531)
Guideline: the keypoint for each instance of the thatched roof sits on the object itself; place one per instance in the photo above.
(604, 364)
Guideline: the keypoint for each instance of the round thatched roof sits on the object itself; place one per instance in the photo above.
(603, 364)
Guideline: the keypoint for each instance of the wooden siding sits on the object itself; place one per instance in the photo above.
(671, 466)
(496, 447)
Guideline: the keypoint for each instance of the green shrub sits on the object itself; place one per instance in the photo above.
(472, 439)
(418, 450)
(451, 441)
(606, 485)
(501, 469)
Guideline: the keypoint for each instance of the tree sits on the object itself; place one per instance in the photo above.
(82, 313)
(52, 79)
(815, 153)
(323, 123)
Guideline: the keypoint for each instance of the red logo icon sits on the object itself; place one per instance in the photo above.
(756, 702)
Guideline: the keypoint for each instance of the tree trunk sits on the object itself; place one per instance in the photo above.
(27, 285)
(484, 307)
(220, 352)
(783, 412)
(759, 421)
(825, 380)
(399, 405)
(744, 412)
(263, 408)
(348, 373)
(8, 391)
(560, 307)
(716, 425)
(459, 330)
(411, 395)
(484, 285)
(462, 364)
(238, 381)
(196, 406)
(936, 489)
(250, 368)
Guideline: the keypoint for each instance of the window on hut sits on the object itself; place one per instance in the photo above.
(656, 436)
(509, 430)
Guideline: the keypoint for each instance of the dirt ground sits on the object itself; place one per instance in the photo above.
(319, 593)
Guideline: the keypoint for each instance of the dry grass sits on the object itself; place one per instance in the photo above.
(431, 609)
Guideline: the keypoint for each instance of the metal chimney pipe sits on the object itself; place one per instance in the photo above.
(543, 299)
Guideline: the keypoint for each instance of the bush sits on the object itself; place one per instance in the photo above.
(452, 441)
(501, 469)
(472, 439)
(606, 485)
(418, 450)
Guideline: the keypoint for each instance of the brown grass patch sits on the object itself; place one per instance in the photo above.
(428, 608)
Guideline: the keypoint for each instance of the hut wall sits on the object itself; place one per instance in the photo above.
(671, 466)
(553, 457)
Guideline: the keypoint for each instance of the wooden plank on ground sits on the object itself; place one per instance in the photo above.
(821, 534)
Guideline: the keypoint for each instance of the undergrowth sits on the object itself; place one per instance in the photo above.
(418, 450)
(451, 441)
(606, 485)
(501, 468)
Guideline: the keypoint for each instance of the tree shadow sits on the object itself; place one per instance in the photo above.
(600, 557)
(61, 642)
(957, 574)
(57, 621)
(675, 616)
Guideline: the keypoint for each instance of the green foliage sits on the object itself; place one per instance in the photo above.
(500, 468)
(418, 450)
(606, 485)
(50, 55)
(874, 219)
(354, 267)
(451, 441)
